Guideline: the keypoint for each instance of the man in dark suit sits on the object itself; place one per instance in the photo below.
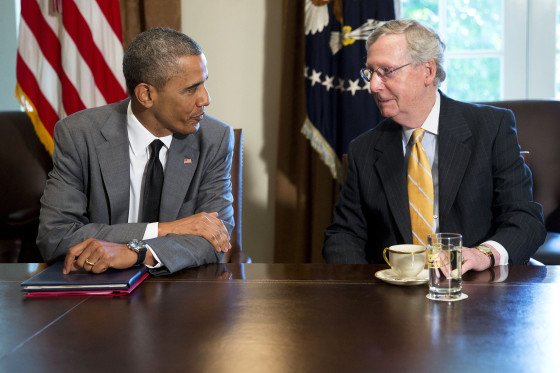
(98, 211)
(481, 185)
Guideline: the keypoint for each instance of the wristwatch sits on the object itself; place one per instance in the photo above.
(139, 247)
(486, 250)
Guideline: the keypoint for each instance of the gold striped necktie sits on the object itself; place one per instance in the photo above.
(420, 190)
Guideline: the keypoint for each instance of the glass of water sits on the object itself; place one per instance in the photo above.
(444, 266)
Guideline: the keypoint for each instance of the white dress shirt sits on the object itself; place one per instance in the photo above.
(139, 151)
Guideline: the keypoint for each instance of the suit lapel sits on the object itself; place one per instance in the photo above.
(182, 162)
(114, 162)
(390, 166)
(453, 154)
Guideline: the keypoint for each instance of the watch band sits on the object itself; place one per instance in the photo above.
(142, 256)
(488, 252)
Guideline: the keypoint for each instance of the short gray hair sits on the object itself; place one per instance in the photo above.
(153, 57)
(423, 43)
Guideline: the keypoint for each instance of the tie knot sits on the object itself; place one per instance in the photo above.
(155, 147)
(417, 135)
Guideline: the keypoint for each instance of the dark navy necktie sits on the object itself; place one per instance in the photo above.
(153, 185)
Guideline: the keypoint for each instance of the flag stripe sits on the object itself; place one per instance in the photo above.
(29, 85)
(104, 37)
(42, 62)
(113, 18)
(83, 39)
(79, 73)
(68, 61)
(50, 48)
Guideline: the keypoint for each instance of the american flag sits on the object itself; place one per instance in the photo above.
(69, 59)
(339, 104)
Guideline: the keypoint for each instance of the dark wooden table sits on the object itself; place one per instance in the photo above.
(286, 318)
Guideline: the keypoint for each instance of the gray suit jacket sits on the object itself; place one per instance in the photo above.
(485, 188)
(87, 193)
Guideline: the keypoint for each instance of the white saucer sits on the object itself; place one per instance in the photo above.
(391, 277)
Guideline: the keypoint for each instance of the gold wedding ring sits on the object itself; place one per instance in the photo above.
(90, 263)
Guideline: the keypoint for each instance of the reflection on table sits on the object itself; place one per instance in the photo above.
(286, 318)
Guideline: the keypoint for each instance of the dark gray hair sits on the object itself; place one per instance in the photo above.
(153, 57)
(423, 42)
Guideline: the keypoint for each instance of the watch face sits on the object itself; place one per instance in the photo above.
(135, 245)
(485, 249)
(139, 247)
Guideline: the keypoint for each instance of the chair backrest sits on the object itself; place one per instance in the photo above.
(538, 131)
(236, 255)
(24, 165)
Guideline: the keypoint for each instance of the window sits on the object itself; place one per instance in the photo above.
(557, 85)
(496, 50)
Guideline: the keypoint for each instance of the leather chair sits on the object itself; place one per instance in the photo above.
(236, 254)
(24, 164)
(538, 131)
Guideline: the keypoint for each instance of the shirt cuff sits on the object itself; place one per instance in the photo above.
(504, 256)
(152, 232)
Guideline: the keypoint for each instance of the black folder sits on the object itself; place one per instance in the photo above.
(52, 281)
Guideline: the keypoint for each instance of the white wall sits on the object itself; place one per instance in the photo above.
(241, 40)
(8, 45)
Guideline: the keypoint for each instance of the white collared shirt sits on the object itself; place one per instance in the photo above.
(139, 139)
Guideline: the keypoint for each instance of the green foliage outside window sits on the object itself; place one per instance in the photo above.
(473, 32)
(473, 79)
(474, 25)
(426, 11)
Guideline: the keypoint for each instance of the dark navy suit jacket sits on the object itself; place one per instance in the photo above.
(485, 188)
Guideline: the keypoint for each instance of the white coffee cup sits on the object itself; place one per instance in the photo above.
(407, 261)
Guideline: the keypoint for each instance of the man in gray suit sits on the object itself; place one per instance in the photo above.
(481, 185)
(97, 209)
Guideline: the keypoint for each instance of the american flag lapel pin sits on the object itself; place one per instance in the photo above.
(187, 161)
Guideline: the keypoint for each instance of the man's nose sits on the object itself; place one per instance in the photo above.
(375, 83)
(204, 99)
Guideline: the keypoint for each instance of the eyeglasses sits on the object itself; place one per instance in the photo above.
(384, 73)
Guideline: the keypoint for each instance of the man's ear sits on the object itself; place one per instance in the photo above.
(431, 69)
(143, 93)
